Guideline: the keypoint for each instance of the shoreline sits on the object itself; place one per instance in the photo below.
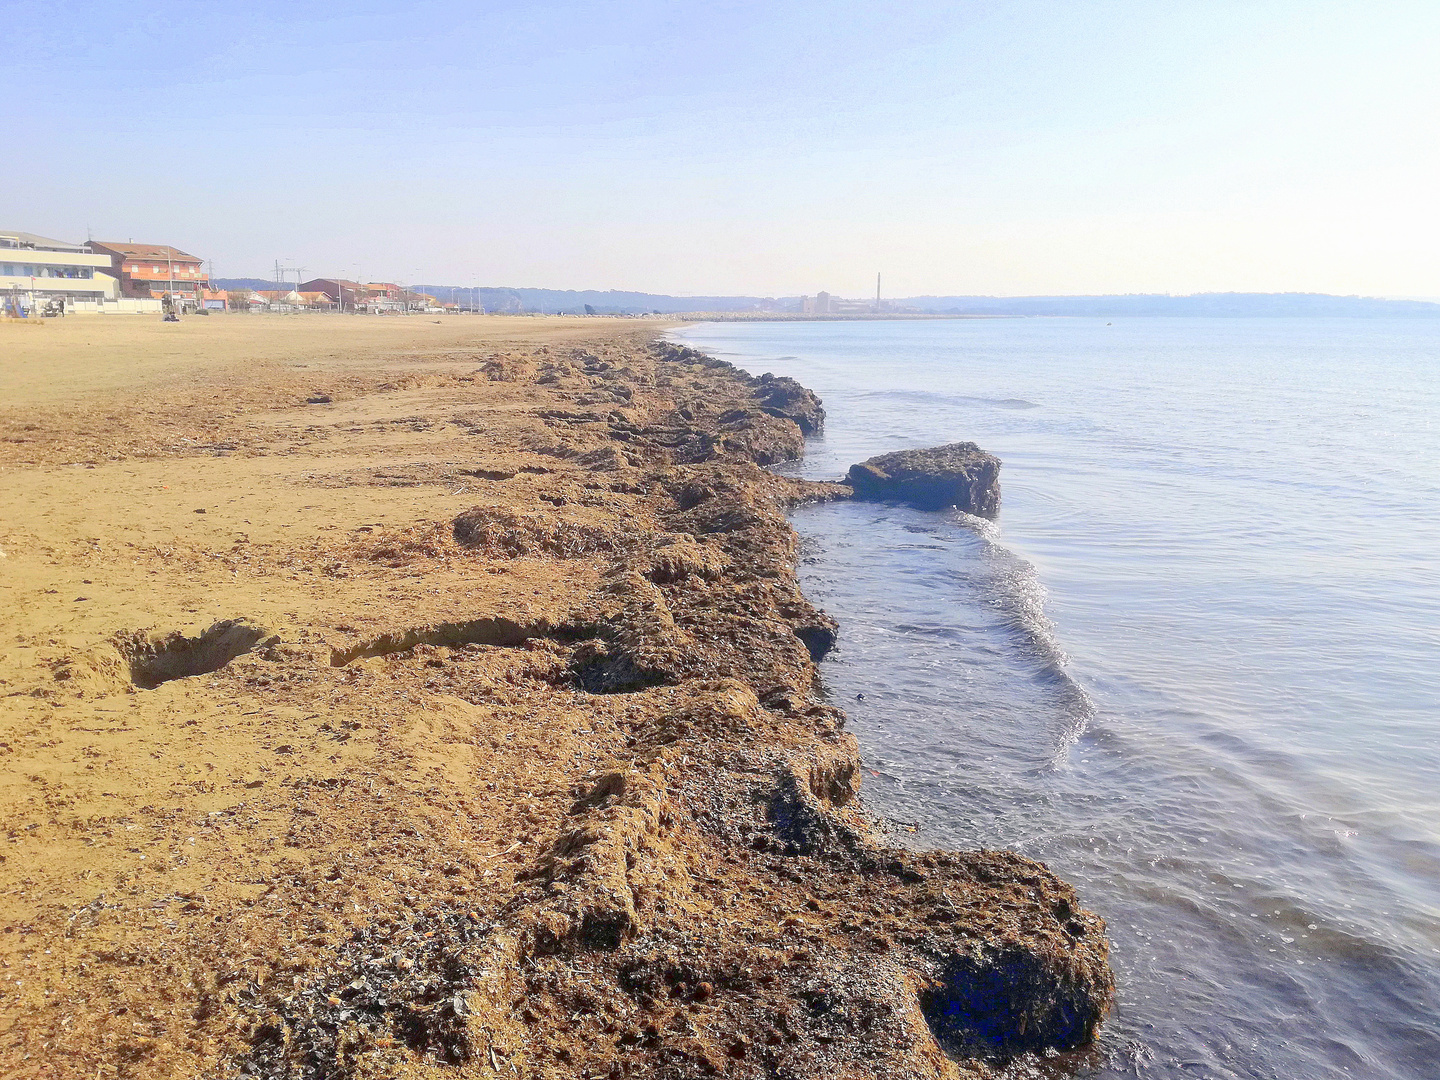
(782, 316)
(542, 775)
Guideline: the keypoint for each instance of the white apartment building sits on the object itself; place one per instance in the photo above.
(35, 270)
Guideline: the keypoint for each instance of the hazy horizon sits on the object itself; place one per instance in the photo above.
(1005, 149)
(289, 282)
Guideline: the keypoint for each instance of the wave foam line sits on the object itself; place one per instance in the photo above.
(1019, 595)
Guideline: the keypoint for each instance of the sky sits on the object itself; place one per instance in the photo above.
(754, 148)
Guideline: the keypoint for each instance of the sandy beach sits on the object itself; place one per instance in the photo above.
(398, 697)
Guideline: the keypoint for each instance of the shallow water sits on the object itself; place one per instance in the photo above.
(1194, 666)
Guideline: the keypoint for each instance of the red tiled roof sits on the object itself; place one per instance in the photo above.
(149, 252)
(342, 282)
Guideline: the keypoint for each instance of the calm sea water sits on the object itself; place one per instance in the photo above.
(1194, 666)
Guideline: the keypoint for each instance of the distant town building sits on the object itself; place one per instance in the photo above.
(819, 304)
(379, 297)
(155, 270)
(276, 300)
(824, 303)
(242, 300)
(342, 294)
(36, 271)
(316, 300)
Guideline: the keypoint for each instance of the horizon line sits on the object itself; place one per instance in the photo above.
(892, 299)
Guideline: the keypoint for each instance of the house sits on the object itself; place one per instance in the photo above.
(35, 270)
(275, 300)
(378, 297)
(153, 270)
(343, 294)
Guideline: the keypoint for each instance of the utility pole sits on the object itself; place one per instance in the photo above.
(281, 273)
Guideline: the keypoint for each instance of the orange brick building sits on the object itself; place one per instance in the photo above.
(156, 269)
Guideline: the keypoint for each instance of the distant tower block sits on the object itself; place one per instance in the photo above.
(877, 294)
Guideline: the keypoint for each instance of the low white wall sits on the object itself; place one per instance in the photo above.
(124, 306)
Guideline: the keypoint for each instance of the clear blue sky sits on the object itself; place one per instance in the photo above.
(738, 147)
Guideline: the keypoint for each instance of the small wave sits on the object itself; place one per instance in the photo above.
(948, 633)
(996, 402)
(1017, 592)
(954, 399)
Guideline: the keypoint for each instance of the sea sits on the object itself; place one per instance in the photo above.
(1193, 666)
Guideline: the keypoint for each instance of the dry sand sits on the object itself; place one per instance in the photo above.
(416, 827)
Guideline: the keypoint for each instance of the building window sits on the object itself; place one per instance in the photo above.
(31, 270)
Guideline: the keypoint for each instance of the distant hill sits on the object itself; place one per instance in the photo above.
(1221, 305)
(610, 302)
(247, 283)
(1214, 305)
(1209, 305)
(569, 301)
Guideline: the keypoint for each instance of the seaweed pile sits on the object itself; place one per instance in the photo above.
(716, 903)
